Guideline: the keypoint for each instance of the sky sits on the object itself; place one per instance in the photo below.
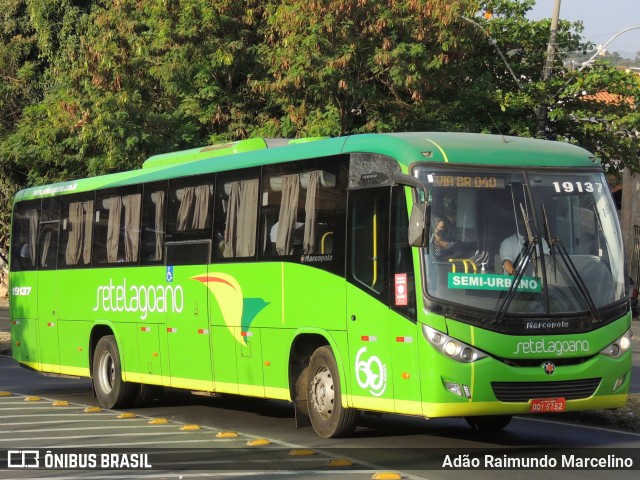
(602, 19)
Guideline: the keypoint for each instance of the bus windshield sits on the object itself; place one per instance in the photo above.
(523, 244)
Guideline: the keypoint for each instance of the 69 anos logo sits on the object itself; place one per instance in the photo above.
(371, 373)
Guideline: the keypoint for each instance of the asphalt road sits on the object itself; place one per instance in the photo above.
(411, 447)
(408, 447)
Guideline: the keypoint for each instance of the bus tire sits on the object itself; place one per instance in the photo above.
(488, 423)
(324, 399)
(110, 390)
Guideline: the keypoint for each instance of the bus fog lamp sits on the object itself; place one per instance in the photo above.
(619, 382)
(454, 388)
(458, 389)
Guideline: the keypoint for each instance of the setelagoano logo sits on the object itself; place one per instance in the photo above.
(143, 299)
(556, 347)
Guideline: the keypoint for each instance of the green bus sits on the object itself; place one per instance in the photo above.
(361, 273)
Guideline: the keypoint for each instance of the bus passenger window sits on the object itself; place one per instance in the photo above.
(298, 212)
(189, 215)
(24, 236)
(48, 234)
(76, 215)
(236, 215)
(117, 228)
(281, 199)
(369, 240)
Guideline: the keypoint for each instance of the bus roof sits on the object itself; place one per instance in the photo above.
(407, 148)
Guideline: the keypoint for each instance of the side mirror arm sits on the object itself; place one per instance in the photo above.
(420, 212)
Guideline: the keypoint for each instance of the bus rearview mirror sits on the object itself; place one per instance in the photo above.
(418, 225)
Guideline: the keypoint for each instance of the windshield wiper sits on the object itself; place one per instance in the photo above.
(571, 267)
(531, 251)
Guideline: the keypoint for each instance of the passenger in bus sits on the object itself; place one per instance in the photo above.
(441, 244)
(512, 248)
(25, 251)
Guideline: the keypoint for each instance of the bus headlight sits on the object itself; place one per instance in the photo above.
(620, 346)
(451, 347)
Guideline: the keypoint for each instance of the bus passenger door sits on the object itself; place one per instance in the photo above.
(381, 303)
(47, 287)
(49, 351)
(370, 364)
(406, 334)
(188, 329)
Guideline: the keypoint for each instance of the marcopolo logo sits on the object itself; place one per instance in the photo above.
(555, 347)
(143, 299)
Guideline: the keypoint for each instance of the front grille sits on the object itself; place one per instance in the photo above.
(525, 391)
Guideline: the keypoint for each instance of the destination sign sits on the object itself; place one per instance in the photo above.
(496, 282)
(467, 181)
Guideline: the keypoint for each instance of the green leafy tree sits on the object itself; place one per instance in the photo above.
(346, 66)
(89, 87)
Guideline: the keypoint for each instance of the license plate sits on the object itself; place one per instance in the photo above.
(544, 405)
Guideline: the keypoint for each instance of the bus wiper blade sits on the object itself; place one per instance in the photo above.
(511, 293)
(549, 239)
(556, 243)
(575, 276)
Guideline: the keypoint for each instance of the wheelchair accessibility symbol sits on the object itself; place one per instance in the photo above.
(170, 274)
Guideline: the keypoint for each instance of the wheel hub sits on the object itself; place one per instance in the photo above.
(322, 392)
(107, 372)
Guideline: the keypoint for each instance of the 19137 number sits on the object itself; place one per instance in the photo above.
(21, 291)
(580, 187)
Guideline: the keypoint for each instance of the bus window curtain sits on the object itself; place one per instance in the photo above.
(87, 231)
(76, 233)
(184, 212)
(309, 243)
(194, 208)
(114, 205)
(79, 241)
(201, 206)
(46, 243)
(132, 205)
(288, 214)
(240, 231)
(34, 220)
(158, 198)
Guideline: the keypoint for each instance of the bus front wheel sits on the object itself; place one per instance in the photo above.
(328, 417)
(111, 391)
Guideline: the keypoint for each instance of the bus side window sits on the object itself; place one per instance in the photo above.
(283, 229)
(24, 236)
(154, 209)
(368, 231)
(48, 234)
(189, 220)
(236, 217)
(76, 232)
(302, 212)
(117, 227)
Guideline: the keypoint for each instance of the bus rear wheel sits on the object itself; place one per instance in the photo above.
(488, 423)
(324, 399)
(106, 373)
